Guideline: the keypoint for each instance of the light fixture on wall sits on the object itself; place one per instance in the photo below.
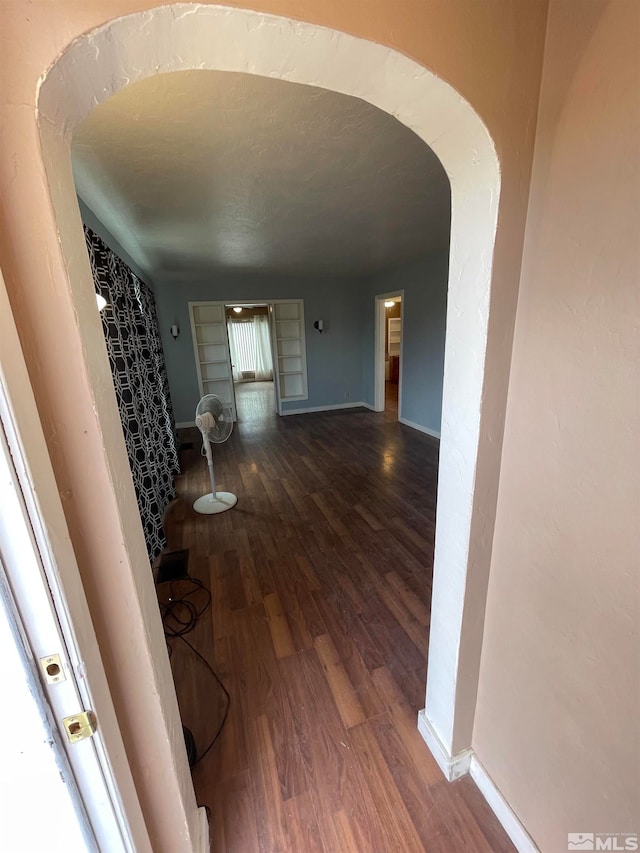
(319, 325)
(389, 303)
(102, 302)
(175, 331)
(237, 309)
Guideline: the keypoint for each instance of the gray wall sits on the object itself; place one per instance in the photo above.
(334, 358)
(425, 308)
(91, 220)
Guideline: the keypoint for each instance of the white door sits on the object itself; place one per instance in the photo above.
(40, 806)
(211, 349)
(44, 591)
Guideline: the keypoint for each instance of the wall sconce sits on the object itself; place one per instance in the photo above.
(102, 302)
(175, 331)
(319, 325)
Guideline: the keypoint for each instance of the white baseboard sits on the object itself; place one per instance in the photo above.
(521, 839)
(453, 766)
(420, 428)
(204, 845)
(331, 408)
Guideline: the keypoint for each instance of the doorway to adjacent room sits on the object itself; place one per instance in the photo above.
(388, 354)
(262, 347)
(251, 352)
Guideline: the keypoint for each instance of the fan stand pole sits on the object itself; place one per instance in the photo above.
(214, 502)
(212, 476)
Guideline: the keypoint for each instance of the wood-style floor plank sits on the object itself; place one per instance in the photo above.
(342, 690)
(320, 584)
(279, 626)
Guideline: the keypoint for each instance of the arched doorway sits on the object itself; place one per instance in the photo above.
(192, 36)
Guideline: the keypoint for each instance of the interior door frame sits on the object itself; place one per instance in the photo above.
(378, 365)
(268, 303)
(46, 586)
(36, 761)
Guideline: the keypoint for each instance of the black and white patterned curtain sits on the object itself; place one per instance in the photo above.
(131, 333)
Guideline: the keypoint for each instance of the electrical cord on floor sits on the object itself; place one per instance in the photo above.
(180, 614)
(180, 611)
(224, 690)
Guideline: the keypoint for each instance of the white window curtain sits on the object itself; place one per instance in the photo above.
(250, 349)
(264, 362)
(233, 352)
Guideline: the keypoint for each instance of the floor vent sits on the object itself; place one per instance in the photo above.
(173, 565)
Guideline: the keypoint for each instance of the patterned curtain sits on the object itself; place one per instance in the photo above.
(131, 333)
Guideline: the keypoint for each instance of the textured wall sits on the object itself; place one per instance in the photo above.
(559, 698)
(425, 307)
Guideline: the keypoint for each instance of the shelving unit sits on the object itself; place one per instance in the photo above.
(211, 348)
(288, 323)
(395, 335)
(213, 362)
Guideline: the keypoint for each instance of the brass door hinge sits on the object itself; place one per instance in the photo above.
(80, 726)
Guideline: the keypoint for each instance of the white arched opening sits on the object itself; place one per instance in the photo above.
(194, 36)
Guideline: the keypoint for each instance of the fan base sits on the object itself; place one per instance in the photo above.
(210, 505)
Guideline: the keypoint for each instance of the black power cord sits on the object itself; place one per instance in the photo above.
(180, 613)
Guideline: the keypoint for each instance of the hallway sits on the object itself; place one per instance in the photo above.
(320, 582)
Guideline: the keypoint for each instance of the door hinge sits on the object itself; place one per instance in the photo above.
(80, 726)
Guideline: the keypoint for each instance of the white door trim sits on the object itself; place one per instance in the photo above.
(47, 588)
(35, 768)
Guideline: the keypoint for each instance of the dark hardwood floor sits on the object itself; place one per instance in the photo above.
(391, 400)
(321, 585)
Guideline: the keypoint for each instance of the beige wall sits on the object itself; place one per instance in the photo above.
(558, 716)
(491, 52)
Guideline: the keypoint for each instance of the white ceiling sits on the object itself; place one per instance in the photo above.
(198, 170)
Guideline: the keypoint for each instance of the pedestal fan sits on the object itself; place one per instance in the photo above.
(215, 421)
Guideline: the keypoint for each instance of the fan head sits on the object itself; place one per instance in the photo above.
(214, 418)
